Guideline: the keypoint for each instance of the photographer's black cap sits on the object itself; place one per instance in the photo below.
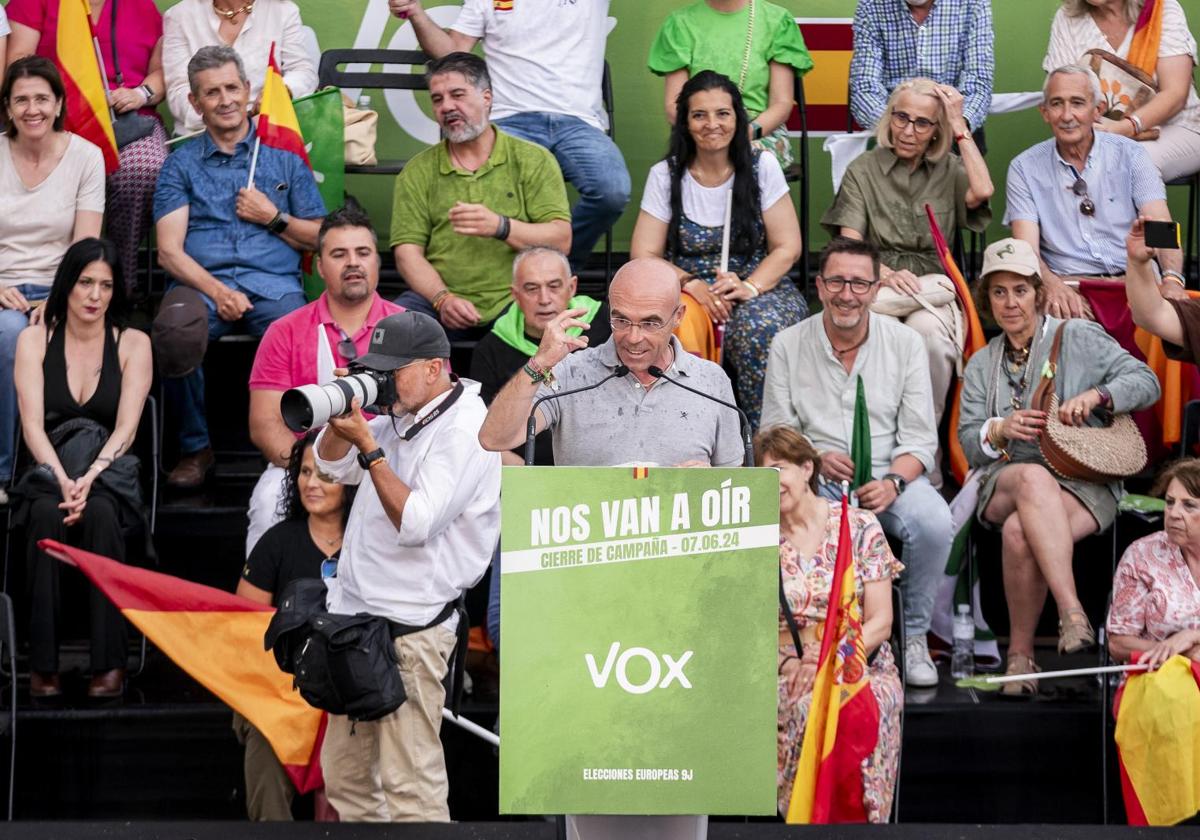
(402, 338)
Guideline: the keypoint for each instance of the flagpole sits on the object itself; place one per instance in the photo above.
(254, 162)
(472, 727)
(1073, 672)
(725, 232)
(87, 13)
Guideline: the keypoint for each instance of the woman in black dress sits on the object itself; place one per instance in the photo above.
(79, 369)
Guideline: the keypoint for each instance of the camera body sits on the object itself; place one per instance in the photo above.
(310, 406)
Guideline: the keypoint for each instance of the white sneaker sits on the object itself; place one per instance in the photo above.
(919, 669)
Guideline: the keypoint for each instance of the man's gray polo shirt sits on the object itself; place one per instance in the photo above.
(623, 422)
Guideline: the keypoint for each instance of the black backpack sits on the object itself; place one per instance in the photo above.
(343, 664)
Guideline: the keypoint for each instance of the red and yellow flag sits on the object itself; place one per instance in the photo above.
(1158, 743)
(973, 340)
(843, 717)
(87, 94)
(217, 638)
(277, 123)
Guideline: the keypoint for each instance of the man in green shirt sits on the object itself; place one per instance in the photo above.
(463, 208)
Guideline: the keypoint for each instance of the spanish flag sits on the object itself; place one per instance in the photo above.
(1158, 743)
(217, 638)
(277, 123)
(77, 57)
(973, 340)
(843, 717)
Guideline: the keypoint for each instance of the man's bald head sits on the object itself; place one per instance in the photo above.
(643, 303)
(645, 280)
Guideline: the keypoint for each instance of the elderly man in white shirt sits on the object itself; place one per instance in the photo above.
(250, 28)
(420, 532)
(811, 385)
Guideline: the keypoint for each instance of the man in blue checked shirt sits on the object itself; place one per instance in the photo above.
(232, 250)
(949, 41)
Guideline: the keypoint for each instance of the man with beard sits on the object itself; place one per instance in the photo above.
(232, 250)
(306, 346)
(462, 208)
(949, 41)
(812, 384)
(1075, 196)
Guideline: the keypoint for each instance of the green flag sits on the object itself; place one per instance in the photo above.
(323, 127)
(860, 443)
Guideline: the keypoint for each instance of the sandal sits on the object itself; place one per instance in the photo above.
(1075, 634)
(1019, 663)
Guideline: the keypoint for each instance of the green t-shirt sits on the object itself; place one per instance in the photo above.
(697, 37)
(520, 180)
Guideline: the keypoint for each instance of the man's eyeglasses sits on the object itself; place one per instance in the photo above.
(623, 324)
(856, 284)
(901, 120)
(1087, 207)
(345, 347)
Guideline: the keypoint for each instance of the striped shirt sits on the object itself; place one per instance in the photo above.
(1121, 180)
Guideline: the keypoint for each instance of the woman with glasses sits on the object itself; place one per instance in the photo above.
(713, 196)
(306, 544)
(1040, 514)
(883, 196)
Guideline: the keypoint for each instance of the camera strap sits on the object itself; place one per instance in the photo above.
(442, 408)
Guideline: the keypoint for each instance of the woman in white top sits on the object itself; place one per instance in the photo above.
(683, 218)
(52, 192)
(1169, 122)
(249, 28)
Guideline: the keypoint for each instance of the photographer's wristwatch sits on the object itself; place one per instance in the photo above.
(895, 478)
(366, 459)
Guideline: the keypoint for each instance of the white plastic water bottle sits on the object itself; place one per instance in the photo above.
(962, 660)
(364, 103)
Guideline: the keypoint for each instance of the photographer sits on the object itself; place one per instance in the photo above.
(421, 530)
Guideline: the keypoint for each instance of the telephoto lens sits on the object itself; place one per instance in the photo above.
(310, 406)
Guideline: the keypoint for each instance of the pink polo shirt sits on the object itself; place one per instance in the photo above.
(287, 355)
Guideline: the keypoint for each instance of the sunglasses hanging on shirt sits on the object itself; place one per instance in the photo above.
(1087, 207)
(345, 347)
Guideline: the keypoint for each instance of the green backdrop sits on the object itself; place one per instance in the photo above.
(1022, 30)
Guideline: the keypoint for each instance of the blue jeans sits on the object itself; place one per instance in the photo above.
(11, 324)
(591, 161)
(183, 398)
(493, 609)
(920, 519)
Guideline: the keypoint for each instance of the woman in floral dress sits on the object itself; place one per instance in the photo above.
(808, 544)
(710, 174)
(1156, 593)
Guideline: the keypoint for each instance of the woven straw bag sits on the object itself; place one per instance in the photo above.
(1089, 453)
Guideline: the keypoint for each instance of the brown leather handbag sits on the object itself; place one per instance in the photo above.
(1099, 454)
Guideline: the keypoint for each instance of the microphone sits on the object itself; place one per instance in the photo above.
(531, 423)
(747, 443)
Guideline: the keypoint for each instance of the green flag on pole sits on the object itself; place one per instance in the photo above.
(860, 443)
(323, 127)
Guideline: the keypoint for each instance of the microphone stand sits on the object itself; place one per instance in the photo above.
(531, 423)
(747, 442)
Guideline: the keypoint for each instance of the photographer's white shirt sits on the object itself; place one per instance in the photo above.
(450, 523)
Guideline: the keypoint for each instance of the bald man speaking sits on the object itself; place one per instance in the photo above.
(632, 419)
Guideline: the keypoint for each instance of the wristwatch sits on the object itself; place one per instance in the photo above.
(279, 223)
(897, 480)
(366, 459)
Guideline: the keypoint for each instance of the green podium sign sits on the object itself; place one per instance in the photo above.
(639, 612)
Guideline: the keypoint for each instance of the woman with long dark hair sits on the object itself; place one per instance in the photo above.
(711, 171)
(80, 369)
(306, 544)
